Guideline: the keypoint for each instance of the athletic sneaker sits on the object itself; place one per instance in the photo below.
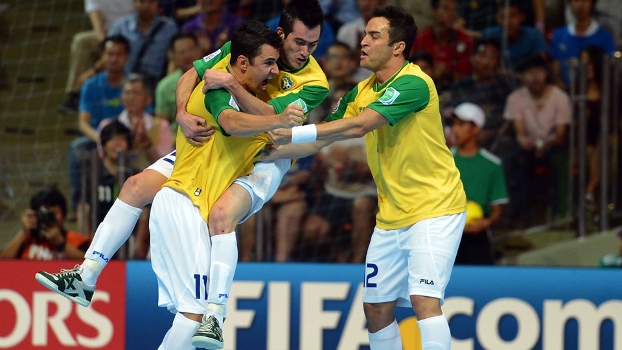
(209, 335)
(68, 283)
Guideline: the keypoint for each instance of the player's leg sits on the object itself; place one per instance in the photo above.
(117, 226)
(431, 246)
(180, 255)
(241, 200)
(363, 218)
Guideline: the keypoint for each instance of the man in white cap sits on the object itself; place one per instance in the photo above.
(482, 175)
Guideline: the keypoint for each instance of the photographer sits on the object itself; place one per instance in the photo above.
(43, 236)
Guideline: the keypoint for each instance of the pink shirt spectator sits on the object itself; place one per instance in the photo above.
(542, 117)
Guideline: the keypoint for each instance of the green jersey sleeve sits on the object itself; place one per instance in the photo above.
(405, 95)
(310, 96)
(209, 61)
(217, 101)
(344, 106)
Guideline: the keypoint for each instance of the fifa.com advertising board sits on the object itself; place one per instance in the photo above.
(318, 307)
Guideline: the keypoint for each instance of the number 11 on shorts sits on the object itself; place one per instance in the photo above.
(200, 282)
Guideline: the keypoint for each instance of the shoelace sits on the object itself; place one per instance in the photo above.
(66, 273)
(210, 326)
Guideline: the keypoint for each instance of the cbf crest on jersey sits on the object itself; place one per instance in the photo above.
(389, 96)
(286, 82)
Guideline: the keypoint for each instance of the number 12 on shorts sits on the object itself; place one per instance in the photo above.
(369, 275)
(200, 282)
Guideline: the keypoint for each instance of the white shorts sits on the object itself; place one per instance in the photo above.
(263, 182)
(164, 165)
(415, 260)
(180, 252)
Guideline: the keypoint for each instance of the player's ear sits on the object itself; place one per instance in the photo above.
(242, 62)
(399, 47)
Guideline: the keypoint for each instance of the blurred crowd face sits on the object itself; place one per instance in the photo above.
(211, 5)
(135, 97)
(486, 61)
(116, 56)
(117, 144)
(582, 9)
(146, 10)
(535, 80)
(299, 44)
(338, 62)
(514, 22)
(185, 52)
(446, 15)
(426, 67)
(366, 7)
(463, 131)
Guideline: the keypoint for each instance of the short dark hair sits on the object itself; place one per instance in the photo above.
(487, 41)
(112, 129)
(182, 34)
(533, 61)
(421, 55)
(402, 26)
(49, 197)
(117, 39)
(309, 12)
(248, 38)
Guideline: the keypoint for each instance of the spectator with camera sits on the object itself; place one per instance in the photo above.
(43, 235)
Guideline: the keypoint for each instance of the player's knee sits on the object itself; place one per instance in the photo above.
(220, 220)
(378, 313)
(134, 192)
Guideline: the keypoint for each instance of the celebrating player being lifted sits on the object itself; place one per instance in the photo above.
(420, 196)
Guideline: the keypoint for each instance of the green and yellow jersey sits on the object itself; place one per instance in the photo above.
(203, 173)
(414, 171)
(306, 85)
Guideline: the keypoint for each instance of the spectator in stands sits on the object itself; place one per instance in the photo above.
(451, 48)
(100, 98)
(424, 61)
(607, 16)
(540, 112)
(152, 137)
(112, 170)
(179, 10)
(568, 41)
(613, 259)
(43, 235)
(149, 35)
(420, 9)
(213, 26)
(184, 50)
(522, 41)
(483, 178)
(327, 37)
(85, 58)
(488, 88)
(480, 14)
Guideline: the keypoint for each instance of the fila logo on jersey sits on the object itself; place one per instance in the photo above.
(197, 192)
(389, 96)
(286, 82)
(423, 280)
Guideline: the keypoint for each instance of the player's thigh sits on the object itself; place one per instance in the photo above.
(431, 246)
(263, 182)
(230, 208)
(180, 252)
(139, 190)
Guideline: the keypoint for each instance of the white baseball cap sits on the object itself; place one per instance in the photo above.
(470, 112)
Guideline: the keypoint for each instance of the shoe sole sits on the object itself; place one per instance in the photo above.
(207, 343)
(54, 288)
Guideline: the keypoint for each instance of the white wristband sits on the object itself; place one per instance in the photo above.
(304, 133)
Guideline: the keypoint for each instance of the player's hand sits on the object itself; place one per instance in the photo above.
(195, 128)
(215, 79)
(293, 115)
(477, 226)
(280, 136)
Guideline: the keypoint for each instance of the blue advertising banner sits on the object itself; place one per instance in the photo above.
(318, 306)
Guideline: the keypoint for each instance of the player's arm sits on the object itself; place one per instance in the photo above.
(194, 128)
(216, 79)
(244, 124)
(84, 125)
(293, 151)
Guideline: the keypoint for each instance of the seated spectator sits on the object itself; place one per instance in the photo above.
(522, 41)
(85, 56)
(43, 235)
(213, 26)
(451, 48)
(613, 259)
(113, 169)
(100, 99)
(483, 178)
(179, 10)
(488, 88)
(152, 137)
(182, 52)
(424, 61)
(327, 37)
(149, 35)
(568, 41)
(540, 112)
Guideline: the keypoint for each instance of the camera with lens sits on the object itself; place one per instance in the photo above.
(45, 218)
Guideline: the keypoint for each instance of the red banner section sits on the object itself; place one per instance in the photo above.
(34, 317)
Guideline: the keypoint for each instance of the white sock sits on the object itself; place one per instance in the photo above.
(388, 338)
(111, 234)
(224, 260)
(90, 271)
(218, 311)
(435, 334)
(179, 336)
